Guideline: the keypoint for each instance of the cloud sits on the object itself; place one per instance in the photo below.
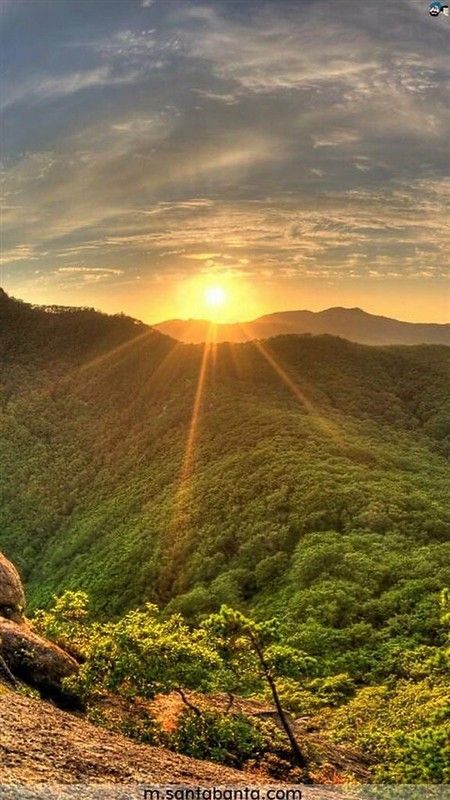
(102, 270)
(336, 139)
(79, 276)
(228, 98)
(42, 88)
(117, 173)
(270, 52)
(20, 252)
(354, 233)
(271, 139)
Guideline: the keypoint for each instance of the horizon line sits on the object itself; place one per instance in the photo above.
(224, 323)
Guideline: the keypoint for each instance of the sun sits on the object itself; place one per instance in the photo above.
(215, 297)
(221, 298)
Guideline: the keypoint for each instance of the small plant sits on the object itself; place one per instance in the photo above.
(235, 740)
(132, 721)
(226, 739)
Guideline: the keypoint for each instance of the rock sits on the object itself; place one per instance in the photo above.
(12, 595)
(37, 662)
(25, 656)
(6, 675)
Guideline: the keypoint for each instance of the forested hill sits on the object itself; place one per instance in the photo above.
(315, 482)
(53, 333)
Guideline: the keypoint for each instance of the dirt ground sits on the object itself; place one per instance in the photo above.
(49, 754)
(41, 744)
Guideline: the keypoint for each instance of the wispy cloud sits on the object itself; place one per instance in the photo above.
(87, 270)
(43, 88)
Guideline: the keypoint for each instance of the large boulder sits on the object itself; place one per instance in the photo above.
(12, 595)
(25, 656)
(36, 661)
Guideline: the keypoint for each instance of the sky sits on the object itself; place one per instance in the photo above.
(281, 155)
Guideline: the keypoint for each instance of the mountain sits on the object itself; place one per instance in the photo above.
(304, 476)
(349, 323)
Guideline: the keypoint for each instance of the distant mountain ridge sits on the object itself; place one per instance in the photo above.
(349, 323)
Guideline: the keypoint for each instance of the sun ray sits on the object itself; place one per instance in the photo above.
(164, 374)
(174, 539)
(325, 425)
(195, 417)
(114, 351)
(209, 350)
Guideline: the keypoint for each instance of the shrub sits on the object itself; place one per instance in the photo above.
(227, 739)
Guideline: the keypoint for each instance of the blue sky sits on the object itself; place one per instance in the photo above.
(296, 152)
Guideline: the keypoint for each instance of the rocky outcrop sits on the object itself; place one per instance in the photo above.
(12, 595)
(25, 656)
(36, 661)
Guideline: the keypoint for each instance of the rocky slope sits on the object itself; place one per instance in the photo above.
(41, 744)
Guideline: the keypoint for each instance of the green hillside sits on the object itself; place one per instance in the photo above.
(321, 495)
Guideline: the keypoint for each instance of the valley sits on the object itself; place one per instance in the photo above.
(303, 478)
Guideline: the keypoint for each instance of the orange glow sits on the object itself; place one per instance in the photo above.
(217, 296)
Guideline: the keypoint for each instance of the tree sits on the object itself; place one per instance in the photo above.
(246, 646)
(144, 654)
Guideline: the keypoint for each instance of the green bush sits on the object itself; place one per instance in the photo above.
(226, 739)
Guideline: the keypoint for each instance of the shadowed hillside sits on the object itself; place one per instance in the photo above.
(52, 333)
